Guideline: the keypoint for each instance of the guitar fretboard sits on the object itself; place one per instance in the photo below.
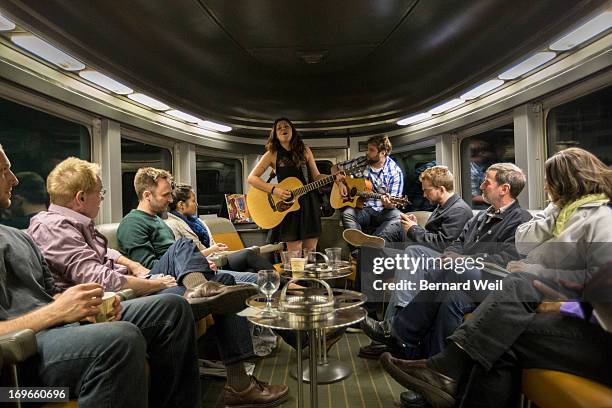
(320, 183)
(377, 196)
(313, 186)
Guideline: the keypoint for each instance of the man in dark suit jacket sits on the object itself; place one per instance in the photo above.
(448, 218)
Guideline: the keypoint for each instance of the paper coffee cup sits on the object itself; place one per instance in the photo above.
(297, 264)
(106, 307)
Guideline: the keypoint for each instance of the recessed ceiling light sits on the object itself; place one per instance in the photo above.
(6, 24)
(184, 116)
(47, 52)
(588, 30)
(148, 101)
(446, 106)
(414, 118)
(482, 89)
(531, 63)
(214, 126)
(105, 82)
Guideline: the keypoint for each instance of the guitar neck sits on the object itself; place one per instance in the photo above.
(377, 196)
(313, 186)
(322, 182)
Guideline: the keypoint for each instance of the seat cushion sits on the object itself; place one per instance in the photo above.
(552, 389)
(110, 232)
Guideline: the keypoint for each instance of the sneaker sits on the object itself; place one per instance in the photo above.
(215, 298)
(257, 395)
(357, 238)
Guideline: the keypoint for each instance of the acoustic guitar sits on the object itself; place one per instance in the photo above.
(358, 190)
(268, 210)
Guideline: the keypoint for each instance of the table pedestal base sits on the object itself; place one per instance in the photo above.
(329, 373)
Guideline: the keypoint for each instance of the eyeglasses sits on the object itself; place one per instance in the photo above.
(429, 188)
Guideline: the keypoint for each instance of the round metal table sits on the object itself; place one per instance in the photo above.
(283, 321)
(328, 370)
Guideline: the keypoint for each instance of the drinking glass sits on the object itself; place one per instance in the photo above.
(334, 255)
(268, 282)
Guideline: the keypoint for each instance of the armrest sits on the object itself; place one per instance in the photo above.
(18, 346)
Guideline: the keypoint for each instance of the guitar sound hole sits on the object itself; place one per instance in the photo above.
(285, 205)
(353, 192)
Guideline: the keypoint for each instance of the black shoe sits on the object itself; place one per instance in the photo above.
(377, 331)
(373, 350)
(439, 390)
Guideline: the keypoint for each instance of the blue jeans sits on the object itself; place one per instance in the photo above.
(402, 298)
(232, 331)
(103, 364)
(378, 223)
(181, 258)
(422, 326)
(242, 277)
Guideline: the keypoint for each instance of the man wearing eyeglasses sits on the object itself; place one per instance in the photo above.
(448, 218)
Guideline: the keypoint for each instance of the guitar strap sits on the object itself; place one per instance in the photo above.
(305, 173)
(272, 175)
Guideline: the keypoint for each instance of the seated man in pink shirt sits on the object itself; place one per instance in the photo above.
(77, 253)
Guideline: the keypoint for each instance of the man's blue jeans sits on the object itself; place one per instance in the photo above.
(370, 221)
(232, 332)
(103, 364)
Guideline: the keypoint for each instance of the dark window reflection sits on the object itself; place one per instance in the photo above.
(135, 155)
(215, 178)
(35, 142)
(585, 122)
(479, 152)
(413, 163)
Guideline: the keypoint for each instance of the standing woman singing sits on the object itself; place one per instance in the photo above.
(287, 154)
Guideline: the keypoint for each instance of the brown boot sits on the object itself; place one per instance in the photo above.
(216, 298)
(257, 395)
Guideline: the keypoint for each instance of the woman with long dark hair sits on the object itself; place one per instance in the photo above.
(184, 223)
(288, 156)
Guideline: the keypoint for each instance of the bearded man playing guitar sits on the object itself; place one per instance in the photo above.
(373, 224)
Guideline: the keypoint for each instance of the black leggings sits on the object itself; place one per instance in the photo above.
(247, 260)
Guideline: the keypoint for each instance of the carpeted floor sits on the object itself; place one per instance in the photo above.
(369, 386)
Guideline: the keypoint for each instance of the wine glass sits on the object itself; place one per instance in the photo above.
(268, 282)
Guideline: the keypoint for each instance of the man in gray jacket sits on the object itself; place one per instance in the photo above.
(448, 218)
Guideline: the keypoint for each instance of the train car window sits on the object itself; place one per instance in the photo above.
(215, 178)
(135, 155)
(585, 122)
(35, 142)
(479, 152)
(324, 167)
(413, 163)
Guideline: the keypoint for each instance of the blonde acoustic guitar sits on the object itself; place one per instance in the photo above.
(358, 190)
(268, 210)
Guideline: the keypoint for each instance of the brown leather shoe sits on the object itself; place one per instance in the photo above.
(438, 389)
(257, 395)
(216, 298)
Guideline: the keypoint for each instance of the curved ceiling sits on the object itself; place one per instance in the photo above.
(340, 67)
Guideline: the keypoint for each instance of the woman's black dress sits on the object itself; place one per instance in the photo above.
(306, 222)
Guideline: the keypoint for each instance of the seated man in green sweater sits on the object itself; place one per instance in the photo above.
(145, 238)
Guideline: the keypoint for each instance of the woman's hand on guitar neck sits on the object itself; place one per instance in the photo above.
(281, 193)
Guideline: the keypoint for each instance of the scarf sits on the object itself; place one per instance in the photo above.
(570, 208)
(196, 226)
